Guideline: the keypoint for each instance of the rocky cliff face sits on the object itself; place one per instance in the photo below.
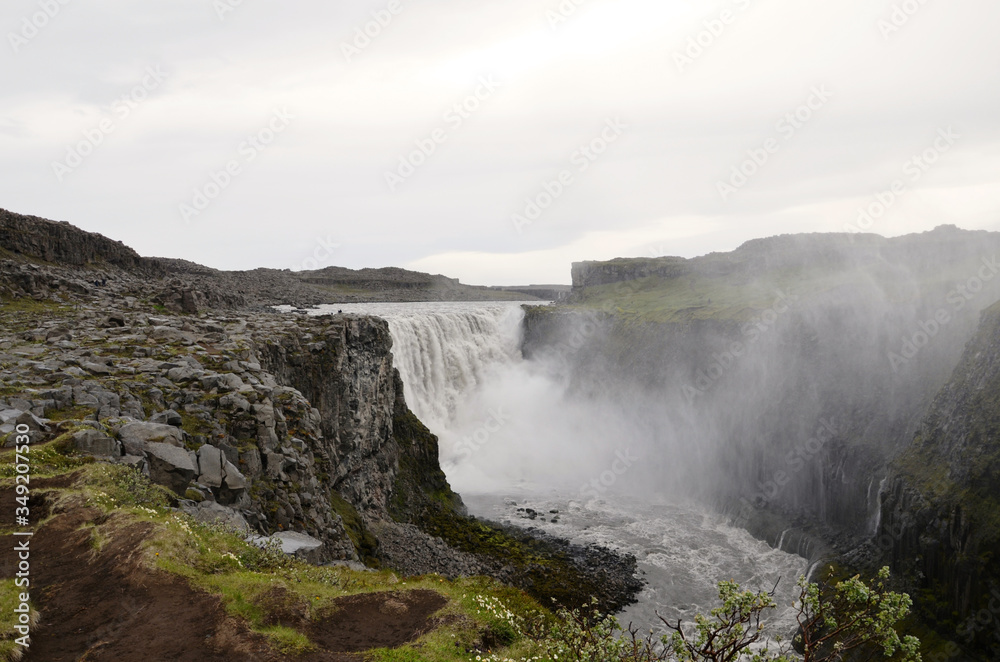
(63, 244)
(343, 366)
(940, 522)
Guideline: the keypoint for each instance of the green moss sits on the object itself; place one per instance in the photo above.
(364, 542)
(78, 413)
(420, 482)
(194, 425)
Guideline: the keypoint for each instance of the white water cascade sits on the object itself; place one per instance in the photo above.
(513, 437)
(444, 356)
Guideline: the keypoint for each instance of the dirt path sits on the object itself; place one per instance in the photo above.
(104, 607)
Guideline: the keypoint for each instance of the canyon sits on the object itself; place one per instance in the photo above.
(812, 403)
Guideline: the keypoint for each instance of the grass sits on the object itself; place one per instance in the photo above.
(692, 295)
(259, 585)
(19, 315)
(46, 460)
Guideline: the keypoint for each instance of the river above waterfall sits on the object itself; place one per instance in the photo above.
(521, 447)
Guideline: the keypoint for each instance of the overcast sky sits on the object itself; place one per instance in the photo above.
(347, 149)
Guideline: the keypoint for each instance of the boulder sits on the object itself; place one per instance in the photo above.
(32, 421)
(135, 436)
(234, 480)
(170, 334)
(98, 369)
(114, 320)
(234, 485)
(137, 462)
(170, 466)
(169, 417)
(230, 382)
(211, 466)
(9, 416)
(94, 442)
(181, 374)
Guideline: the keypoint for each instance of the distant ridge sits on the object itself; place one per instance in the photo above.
(59, 244)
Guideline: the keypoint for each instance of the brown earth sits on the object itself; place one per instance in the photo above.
(108, 606)
(377, 620)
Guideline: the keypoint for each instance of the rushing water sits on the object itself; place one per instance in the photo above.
(514, 439)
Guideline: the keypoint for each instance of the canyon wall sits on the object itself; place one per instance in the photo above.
(780, 379)
(940, 522)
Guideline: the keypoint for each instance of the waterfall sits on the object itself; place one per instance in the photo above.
(444, 351)
(876, 508)
(502, 421)
(514, 434)
(443, 355)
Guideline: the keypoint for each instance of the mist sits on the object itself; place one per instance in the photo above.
(795, 405)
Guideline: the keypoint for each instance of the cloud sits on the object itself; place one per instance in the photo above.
(354, 120)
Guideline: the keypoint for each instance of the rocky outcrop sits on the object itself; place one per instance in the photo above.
(939, 523)
(343, 366)
(63, 244)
